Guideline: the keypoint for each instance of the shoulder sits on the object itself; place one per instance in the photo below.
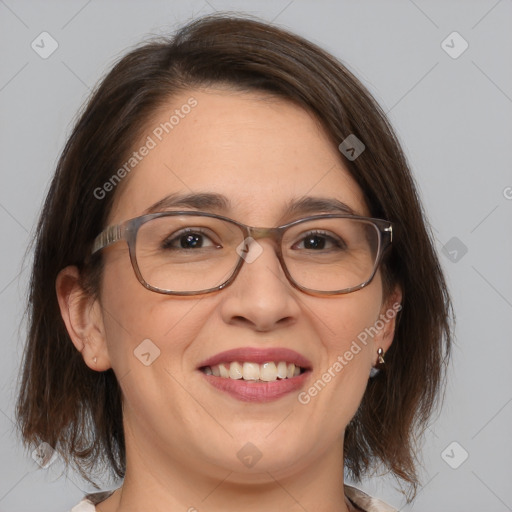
(360, 499)
(90, 500)
(366, 503)
(84, 506)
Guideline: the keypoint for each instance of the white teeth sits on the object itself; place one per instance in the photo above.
(235, 370)
(266, 372)
(251, 371)
(281, 370)
(224, 371)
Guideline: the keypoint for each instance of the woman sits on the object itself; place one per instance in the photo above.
(213, 365)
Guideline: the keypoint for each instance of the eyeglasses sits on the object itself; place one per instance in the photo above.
(192, 253)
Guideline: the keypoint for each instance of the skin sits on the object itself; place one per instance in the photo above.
(182, 435)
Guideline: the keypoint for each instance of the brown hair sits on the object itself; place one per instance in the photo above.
(78, 411)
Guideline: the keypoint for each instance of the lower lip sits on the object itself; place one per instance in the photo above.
(248, 391)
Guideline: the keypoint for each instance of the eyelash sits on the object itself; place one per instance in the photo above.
(166, 244)
(176, 236)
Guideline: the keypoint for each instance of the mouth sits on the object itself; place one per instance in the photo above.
(255, 374)
(250, 371)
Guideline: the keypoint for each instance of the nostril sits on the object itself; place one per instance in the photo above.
(285, 321)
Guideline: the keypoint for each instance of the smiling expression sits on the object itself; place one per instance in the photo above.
(262, 154)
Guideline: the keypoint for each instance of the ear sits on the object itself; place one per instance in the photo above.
(391, 307)
(83, 317)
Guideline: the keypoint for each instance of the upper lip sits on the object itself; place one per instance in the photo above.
(258, 355)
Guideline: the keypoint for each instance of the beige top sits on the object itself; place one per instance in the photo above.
(359, 499)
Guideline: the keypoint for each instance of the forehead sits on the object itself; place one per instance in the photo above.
(260, 152)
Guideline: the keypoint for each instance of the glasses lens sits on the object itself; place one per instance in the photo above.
(192, 253)
(331, 254)
(187, 253)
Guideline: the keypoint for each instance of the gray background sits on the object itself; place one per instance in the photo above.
(453, 116)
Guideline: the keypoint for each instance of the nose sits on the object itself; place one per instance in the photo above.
(260, 297)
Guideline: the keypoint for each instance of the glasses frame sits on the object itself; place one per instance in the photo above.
(128, 229)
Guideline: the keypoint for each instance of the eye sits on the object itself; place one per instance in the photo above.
(320, 240)
(189, 238)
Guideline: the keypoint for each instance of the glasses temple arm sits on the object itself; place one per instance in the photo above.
(108, 236)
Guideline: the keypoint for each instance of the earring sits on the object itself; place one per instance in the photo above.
(380, 354)
(95, 359)
(380, 363)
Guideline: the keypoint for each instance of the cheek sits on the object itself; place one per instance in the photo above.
(133, 315)
(346, 320)
(341, 379)
(148, 336)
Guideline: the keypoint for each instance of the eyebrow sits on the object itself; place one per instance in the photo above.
(218, 203)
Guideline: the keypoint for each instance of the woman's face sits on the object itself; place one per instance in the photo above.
(261, 153)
